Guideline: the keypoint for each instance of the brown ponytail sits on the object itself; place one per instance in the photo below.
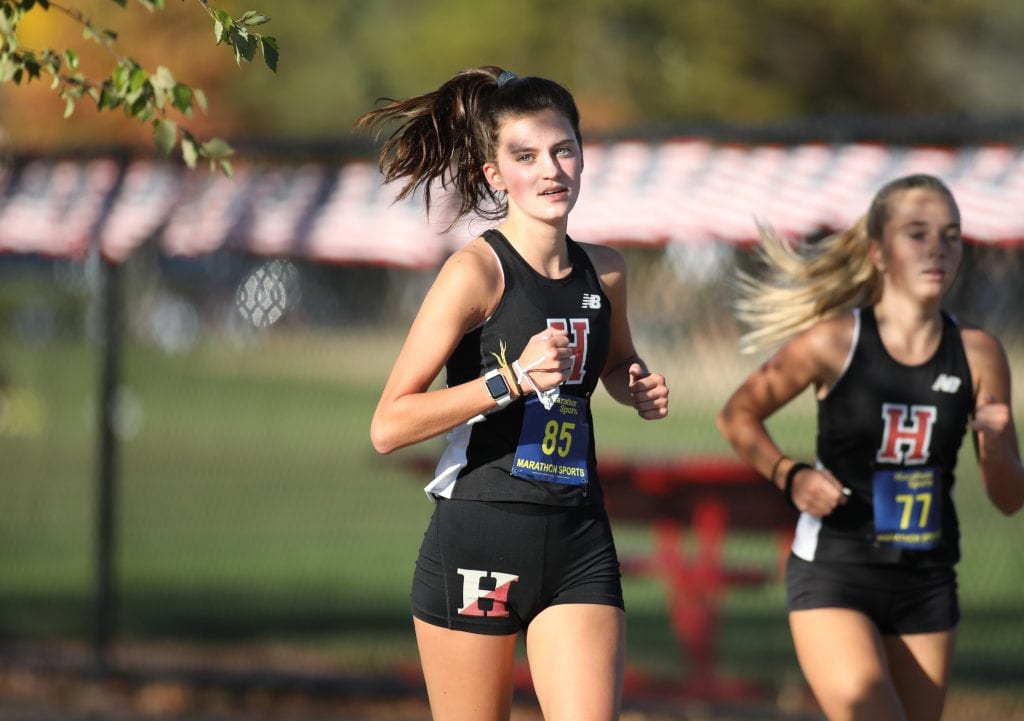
(447, 135)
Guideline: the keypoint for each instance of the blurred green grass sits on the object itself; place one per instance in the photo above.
(252, 509)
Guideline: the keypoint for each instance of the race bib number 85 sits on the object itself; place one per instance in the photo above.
(554, 444)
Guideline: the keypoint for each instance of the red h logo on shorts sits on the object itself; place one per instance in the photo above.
(907, 434)
(473, 592)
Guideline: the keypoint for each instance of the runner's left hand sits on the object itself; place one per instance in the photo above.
(649, 392)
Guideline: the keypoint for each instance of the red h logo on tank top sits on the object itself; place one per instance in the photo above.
(579, 333)
(907, 434)
(494, 600)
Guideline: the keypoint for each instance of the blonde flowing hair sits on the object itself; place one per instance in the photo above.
(812, 281)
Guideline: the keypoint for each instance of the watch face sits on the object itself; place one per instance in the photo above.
(497, 386)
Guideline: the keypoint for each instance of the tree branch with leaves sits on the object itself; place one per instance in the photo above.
(146, 96)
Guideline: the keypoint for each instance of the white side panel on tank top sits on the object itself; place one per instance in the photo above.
(452, 461)
(805, 540)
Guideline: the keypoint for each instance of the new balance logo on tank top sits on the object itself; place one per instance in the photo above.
(478, 463)
(891, 433)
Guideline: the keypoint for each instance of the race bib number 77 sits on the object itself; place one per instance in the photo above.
(908, 507)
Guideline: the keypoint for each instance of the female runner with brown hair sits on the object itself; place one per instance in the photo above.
(525, 322)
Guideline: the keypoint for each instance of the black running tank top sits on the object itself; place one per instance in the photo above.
(883, 417)
(530, 302)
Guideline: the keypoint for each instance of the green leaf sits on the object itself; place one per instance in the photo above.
(189, 151)
(7, 69)
(165, 134)
(224, 166)
(141, 108)
(50, 61)
(244, 44)
(74, 87)
(90, 33)
(31, 66)
(182, 98)
(71, 58)
(162, 79)
(268, 46)
(69, 107)
(108, 97)
(119, 76)
(215, 148)
(122, 3)
(9, 17)
(252, 19)
(138, 79)
(223, 20)
(200, 99)
(162, 83)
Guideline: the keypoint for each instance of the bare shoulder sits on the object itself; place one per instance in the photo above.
(475, 257)
(979, 340)
(985, 354)
(470, 280)
(832, 337)
(825, 346)
(606, 260)
(989, 364)
(474, 265)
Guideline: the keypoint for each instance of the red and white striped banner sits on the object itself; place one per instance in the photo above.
(634, 193)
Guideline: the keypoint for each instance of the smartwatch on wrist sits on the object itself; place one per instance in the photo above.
(497, 386)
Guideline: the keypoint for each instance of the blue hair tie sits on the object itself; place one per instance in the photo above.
(506, 77)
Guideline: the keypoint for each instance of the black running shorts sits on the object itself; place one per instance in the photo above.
(899, 599)
(490, 567)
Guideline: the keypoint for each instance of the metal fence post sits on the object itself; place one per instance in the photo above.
(105, 589)
(105, 599)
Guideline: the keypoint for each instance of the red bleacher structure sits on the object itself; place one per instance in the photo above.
(707, 497)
